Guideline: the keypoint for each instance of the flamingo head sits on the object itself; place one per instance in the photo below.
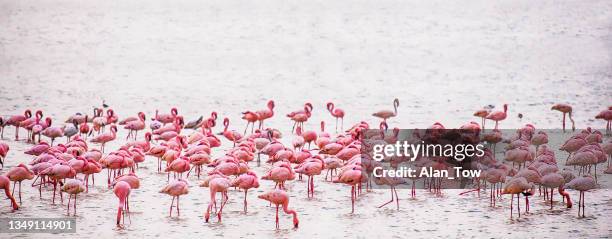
(27, 113)
(226, 122)
(142, 116)
(505, 107)
(271, 104)
(39, 114)
(396, 102)
(148, 136)
(174, 111)
(110, 112)
(330, 106)
(213, 115)
(113, 128)
(309, 106)
(48, 121)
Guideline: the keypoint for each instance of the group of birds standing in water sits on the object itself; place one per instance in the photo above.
(71, 167)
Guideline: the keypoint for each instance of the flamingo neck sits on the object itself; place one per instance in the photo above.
(289, 211)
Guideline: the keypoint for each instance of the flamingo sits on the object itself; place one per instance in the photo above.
(217, 183)
(175, 189)
(16, 120)
(73, 187)
(310, 168)
(516, 186)
(565, 109)
(166, 118)
(18, 174)
(266, 113)
(607, 116)
(135, 125)
(71, 129)
(58, 172)
(5, 184)
(246, 181)
(279, 197)
(582, 184)
(105, 137)
(53, 132)
(336, 113)
(300, 116)
(351, 176)
(498, 115)
(230, 135)
(4, 148)
(279, 174)
(386, 114)
(482, 114)
(122, 191)
(84, 127)
(134, 183)
(251, 117)
(552, 181)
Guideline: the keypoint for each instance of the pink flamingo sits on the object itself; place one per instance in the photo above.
(16, 120)
(179, 166)
(135, 125)
(279, 197)
(482, 114)
(134, 183)
(5, 184)
(122, 191)
(498, 115)
(57, 173)
(73, 187)
(217, 183)
(53, 132)
(29, 123)
(582, 184)
(175, 189)
(336, 113)
(4, 148)
(310, 168)
(251, 117)
(18, 174)
(166, 118)
(105, 137)
(565, 109)
(84, 128)
(300, 116)
(246, 181)
(351, 176)
(516, 186)
(266, 113)
(386, 114)
(90, 168)
(552, 181)
(607, 116)
(279, 174)
(308, 136)
(230, 135)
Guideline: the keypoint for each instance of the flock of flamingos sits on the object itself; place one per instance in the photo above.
(71, 167)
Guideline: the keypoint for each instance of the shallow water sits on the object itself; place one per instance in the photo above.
(442, 59)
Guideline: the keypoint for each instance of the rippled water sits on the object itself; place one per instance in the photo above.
(442, 59)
